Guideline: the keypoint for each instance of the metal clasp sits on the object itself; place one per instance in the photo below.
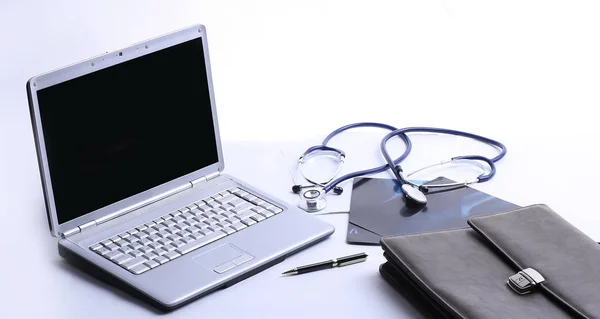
(525, 281)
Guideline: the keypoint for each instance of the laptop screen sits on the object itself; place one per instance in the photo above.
(127, 128)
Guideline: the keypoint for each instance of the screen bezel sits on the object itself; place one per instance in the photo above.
(95, 64)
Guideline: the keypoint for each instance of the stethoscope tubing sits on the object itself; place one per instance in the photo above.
(393, 164)
(369, 171)
(482, 178)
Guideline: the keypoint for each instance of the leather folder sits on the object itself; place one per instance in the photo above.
(525, 263)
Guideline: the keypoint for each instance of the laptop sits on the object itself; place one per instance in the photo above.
(132, 170)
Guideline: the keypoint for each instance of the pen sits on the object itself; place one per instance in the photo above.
(336, 262)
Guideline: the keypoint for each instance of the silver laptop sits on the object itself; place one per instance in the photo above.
(132, 170)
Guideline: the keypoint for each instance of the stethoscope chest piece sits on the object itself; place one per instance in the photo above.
(312, 200)
(414, 195)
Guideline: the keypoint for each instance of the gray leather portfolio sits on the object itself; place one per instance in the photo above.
(526, 263)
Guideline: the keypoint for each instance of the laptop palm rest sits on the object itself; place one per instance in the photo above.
(223, 258)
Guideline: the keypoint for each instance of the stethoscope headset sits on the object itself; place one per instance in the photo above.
(314, 200)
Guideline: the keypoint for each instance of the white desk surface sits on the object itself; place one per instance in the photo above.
(37, 282)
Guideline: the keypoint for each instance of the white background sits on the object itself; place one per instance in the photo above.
(524, 72)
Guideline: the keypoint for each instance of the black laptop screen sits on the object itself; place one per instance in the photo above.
(128, 128)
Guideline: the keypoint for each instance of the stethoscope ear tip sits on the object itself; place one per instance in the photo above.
(296, 189)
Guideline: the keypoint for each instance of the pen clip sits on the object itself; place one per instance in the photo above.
(355, 261)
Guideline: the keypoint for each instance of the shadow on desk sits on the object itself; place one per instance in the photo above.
(86, 273)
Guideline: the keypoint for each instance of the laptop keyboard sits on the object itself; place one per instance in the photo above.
(173, 235)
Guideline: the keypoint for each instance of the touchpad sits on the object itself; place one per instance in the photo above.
(223, 258)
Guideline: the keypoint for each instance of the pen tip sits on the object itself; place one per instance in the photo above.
(288, 273)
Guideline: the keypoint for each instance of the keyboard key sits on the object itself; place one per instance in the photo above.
(226, 199)
(137, 253)
(159, 227)
(163, 233)
(165, 241)
(95, 247)
(133, 262)
(202, 206)
(154, 237)
(102, 251)
(150, 231)
(122, 259)
(173, 237)
(124, 235)
(238, 226)
(112, 247)
(258, 217)
(106, 242)
(150, 255)
(132, 232)
(141, 228)
(148, 249)
(242, 207)
(121, 243)
(197, 235)
(153, 246)
(140, 235)
(161, 259)
(130, 239)
(115, 239)
(248, 221)
(158, 221)
(241, 192)
(259, 202)
(113, 255)
(160, 251)
(196, 211)
(195, 230)
(245, 215)
(175, 214)
(172, 255)
(139, 269)
(266, 214)
(234, 190)
(219, 218)
(125, 250)
(178, 219)
(228, 214)
(200, 242)
(236, 202)
(146, 241)
(168, 248)
(191, 222)
(150, 224)
(187, 239)
(169, 223)
(135, 245)
(151, 264)
(228, 230)
(178, 243)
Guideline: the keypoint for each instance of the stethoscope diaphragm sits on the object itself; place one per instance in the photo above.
(313, 200)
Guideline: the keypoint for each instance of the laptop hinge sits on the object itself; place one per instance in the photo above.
(205, 178)
(78, 229)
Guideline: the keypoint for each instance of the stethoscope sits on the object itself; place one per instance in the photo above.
(313, 198)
